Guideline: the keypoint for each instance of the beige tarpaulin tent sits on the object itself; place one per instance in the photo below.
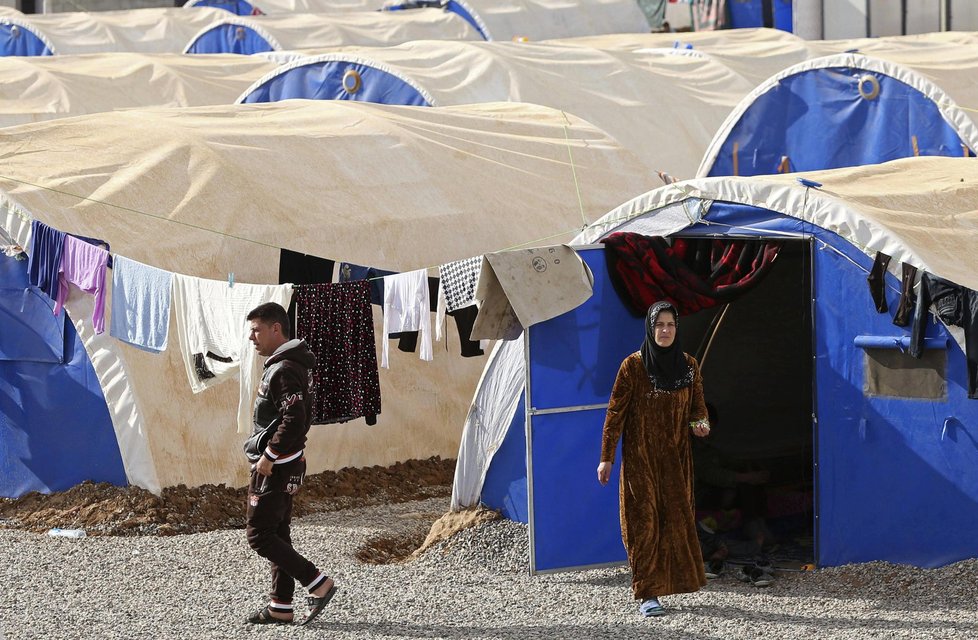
(40, 88)
(213, 190)
(295, 6)
(255, 34)
(664, 105)
(142, 30)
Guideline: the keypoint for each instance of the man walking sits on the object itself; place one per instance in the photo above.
(283, 411)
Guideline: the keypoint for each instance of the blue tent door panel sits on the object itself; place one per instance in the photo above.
(897, 476)
(575, 519)
(573, 361)
(31, 332)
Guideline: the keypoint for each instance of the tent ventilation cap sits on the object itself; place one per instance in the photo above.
(351, 81)
(869, 87)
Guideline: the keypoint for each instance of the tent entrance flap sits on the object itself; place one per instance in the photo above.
(755, 356)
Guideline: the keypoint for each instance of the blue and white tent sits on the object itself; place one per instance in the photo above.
(847, 110)
(258, 34)
(267, 7)
(891, 439)
(135, 30)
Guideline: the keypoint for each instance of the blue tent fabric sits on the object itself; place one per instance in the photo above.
(230, 38)
(336, 80)
(55, 429)
(16, 40)
(455, 7)
(829, 118)
(237, 7)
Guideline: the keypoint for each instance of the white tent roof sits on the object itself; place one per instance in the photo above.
(40, 88)
(222, 188)
(363, 28)
(311, 6)
(664, 105)
(923, 211)
(542, 19)
(142, 30)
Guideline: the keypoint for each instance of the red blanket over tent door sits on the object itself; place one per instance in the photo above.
(692, 273)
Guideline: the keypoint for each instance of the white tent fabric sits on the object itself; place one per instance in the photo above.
(919, 210)
(362, 28)
(37, 88)
(664, 105)
(269, 7)
(959, 73)
(141, 30)
(543, 19)
(393, 187)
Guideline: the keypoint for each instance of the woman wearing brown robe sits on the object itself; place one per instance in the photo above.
(656, 403)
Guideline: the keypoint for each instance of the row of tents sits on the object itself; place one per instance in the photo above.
(213, 190)
(203, 29)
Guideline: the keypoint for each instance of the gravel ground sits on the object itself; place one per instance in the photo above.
(474, 585)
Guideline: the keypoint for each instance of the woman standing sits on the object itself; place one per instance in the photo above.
(657, 401)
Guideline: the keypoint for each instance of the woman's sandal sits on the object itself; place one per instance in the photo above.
(264, 616)
(316, 605)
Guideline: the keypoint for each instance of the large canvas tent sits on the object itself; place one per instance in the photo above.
(44, 88)
(266, 7)
(139, 30)
(212, 191)
(664, 105)
(257, 34)
(890, 437)
(847, 110)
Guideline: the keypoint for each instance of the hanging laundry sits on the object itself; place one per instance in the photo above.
(954, 305)
(336, 321)
(908, 298)
(407, 341)
(44, 260)
(140, 304)
(464, 319)
(350, 272)
(517, 289)
(210, 316)
(709, 15)
(877, 281)
(407, 307)
(458, 282)
(299, 268)
(83, 265)
(693, 274)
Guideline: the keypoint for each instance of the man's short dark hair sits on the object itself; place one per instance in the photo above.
(270, 313)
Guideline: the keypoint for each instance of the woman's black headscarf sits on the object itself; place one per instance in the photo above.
(667, 366)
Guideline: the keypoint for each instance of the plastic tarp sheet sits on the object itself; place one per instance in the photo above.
(138, 30)
(664, 105)
(257, 34)
(36, 89)
(342, 204)
(266, 7)
(55, 430)
(542, 19)
(835, 112)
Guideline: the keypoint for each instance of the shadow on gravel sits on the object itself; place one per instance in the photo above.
(824, 621)
(641, 630)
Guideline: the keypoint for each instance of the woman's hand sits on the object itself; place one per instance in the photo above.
(604, 472)
(701, 430)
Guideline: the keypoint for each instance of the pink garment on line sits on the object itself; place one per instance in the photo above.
(83, 265)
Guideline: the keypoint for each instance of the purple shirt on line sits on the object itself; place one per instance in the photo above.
(83, 265)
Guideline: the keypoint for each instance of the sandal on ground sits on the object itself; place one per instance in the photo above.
(264, 616)
(316, 605)
(755, 576)
(651, 608)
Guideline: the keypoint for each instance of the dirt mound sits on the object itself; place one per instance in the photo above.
(103, 509)
(453, 522)
(408, 545)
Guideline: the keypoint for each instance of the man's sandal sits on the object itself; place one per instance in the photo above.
(316, 605)
(264, 616)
